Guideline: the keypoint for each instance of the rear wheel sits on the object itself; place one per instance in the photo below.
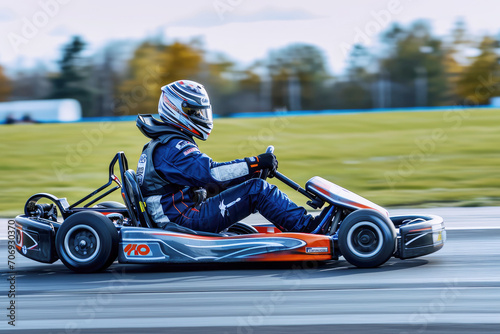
(87, 242)
(367, 238)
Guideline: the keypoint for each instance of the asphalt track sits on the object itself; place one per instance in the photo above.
(456, 290)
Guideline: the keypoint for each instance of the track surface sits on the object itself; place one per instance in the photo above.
(456, 290)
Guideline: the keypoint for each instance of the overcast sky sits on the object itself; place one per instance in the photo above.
(245, 30)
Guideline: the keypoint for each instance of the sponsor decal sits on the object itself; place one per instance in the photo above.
(223, 208)
(183, 143)
(316, 249)
(26, 240)
(439, 237)
(191, 150)
(141, 167)
(137, 250)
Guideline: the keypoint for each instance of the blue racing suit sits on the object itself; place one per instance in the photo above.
(236, 194)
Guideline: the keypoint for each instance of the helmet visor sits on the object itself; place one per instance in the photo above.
(199, 114)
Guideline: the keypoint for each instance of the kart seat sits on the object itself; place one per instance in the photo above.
(135, 202)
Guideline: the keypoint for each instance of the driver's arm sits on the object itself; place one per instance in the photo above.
(187, 166)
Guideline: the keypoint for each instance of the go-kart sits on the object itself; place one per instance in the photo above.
(89, 238)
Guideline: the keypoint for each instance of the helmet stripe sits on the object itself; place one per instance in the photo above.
(171, 91)
(188, 94)
(191, 130)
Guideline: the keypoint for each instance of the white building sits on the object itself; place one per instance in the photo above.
(63, 110)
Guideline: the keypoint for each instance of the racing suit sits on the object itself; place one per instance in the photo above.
(172, 166)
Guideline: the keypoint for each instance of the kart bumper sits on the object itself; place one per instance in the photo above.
(35, 238)
(418, 235)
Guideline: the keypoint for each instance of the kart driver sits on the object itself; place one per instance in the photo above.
(173, 174)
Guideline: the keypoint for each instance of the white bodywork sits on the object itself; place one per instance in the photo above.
(337, 195)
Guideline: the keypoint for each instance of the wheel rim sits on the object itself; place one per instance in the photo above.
(82, 243)
(365, 239)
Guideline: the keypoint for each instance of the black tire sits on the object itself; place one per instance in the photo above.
(367, 238)
(98, 236)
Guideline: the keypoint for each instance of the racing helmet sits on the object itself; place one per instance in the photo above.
(185, 104)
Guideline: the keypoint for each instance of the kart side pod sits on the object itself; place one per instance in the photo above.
(35, 238)
(419, 235)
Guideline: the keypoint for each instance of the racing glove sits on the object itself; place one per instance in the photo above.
(263, 161)
(198, 195)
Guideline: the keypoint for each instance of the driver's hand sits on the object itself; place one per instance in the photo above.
(272, 163)
(263, 161)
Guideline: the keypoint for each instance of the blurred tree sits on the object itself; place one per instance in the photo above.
(152, 66)
(358, 63)
(480, 81)
(103, 81)
(415, 59)
(70, 82)
(297, 73)
(454, 60)
(5, 86)
(31, 84)
(181, 61)
(459, 32)
(250, 80)
(221, 81)
(254, 94)
(355, 93)
(138, 93)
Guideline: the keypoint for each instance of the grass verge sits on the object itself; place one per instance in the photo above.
(394, 159)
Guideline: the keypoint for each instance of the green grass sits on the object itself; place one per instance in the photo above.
(435, 158)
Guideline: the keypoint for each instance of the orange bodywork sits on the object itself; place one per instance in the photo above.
(317, 247)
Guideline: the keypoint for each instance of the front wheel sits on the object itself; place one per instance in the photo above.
(366, 238)
(87, 242)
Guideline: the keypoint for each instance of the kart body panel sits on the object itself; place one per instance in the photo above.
(336, 195)
(139, 245)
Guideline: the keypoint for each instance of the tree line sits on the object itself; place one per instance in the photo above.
(409, 67)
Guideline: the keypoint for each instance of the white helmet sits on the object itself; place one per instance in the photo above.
(186, 105)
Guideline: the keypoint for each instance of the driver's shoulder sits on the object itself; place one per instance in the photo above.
(181, 144)
(175, 148)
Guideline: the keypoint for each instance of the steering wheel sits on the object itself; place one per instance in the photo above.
(265, 172)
